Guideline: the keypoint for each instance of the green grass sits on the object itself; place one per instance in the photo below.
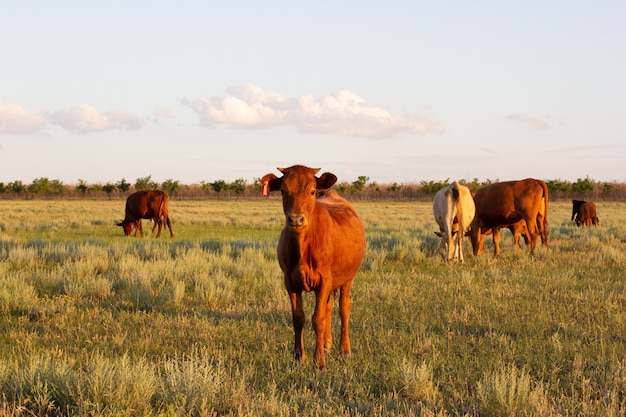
(94, 323)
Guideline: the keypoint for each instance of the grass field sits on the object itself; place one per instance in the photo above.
(94, 323)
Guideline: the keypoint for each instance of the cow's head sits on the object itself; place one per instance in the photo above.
(300, 188)
(576, 207)
(127, 226)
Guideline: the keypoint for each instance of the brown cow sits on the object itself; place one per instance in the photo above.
(148, 204)
(320, 249)
(584, 213)
(520, 228)
(505, 203)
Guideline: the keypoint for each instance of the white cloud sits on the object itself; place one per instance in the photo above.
(247, 106)
(15, 119)
(532, 122)
(86, 119)
(343, 113)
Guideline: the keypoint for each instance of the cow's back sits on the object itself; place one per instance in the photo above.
(345, 235)
(145, 204)
(503, 204)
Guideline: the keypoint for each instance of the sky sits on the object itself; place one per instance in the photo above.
(397, 91)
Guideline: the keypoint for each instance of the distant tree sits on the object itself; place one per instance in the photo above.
(122, 185)
(56, 186)
(473, 186)
(170, 186)
(219, 186)
(342, 187)
(145, 183)
(108, 188)
(558, 185)
(606, 187)
(394, 187)
(2, 188)
(82, 186)
(582, 185)
(431, 187)
(238, 186)
(16, 187)
(39, 186)
(359, 184)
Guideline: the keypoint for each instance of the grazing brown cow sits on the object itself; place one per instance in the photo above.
(505, 203)
(149, 204)
(584, 212)
(453, 208)
(320, 249)
(520, 228)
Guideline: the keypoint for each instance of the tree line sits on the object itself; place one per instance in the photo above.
(361, 188)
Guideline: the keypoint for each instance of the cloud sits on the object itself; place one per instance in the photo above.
(247, 107)
(86, 119)
(532, 122)
(343, 113)
(15, 119)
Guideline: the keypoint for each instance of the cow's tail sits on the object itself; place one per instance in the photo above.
(162, 202)
(545, 229)
(456, 201)
(455, 192)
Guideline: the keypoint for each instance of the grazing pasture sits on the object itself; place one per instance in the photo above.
(95, 323)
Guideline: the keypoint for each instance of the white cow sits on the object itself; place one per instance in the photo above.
(453, 207)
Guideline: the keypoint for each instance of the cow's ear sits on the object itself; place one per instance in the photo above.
(326, 180)
(270, 183)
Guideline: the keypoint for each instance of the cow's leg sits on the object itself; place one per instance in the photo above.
(160, 224)
(169, 225)
(496, 241)
(138, 227)
(515, 233)
(543, 233)
(344, 311)
(459, 246)
(451, 245)
(322, 295)
(297, 315)
(328, 337)
(533, 231)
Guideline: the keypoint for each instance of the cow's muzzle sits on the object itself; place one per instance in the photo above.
(296, 220)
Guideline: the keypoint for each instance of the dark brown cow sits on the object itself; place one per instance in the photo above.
(505, 203)
(148, 204)
(584, 212)
(320, 249)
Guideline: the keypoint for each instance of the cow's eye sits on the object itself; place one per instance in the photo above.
(313, 192)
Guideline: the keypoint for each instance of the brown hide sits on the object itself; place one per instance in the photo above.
(148, 204)
(584, 213)
(506, 203)
(320, 249)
